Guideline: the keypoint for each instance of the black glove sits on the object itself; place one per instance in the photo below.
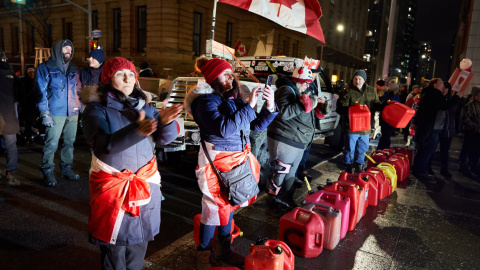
(47, 119)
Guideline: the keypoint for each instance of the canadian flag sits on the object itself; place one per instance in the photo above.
(298, 15)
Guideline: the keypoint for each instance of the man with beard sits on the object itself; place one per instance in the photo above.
(58, 85)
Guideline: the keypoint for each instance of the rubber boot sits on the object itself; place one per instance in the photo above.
(68, 173)
(225, 254)
(358, 168)
(49, 177)
(349, 168)
(204, 259)
(11, 179)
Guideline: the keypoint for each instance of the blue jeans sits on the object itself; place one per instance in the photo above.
(207, 232)
(356, 145)
(425, 149)
(65, 126)
(11, 151)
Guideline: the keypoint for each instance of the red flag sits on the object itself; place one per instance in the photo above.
(298, 15)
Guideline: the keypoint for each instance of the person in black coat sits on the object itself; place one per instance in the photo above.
(91, 74)
(28, 102)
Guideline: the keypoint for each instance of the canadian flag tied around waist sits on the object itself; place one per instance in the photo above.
(298, 15)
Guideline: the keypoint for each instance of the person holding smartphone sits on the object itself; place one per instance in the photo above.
(290, 134)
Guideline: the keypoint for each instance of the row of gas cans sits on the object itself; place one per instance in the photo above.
(336, 208)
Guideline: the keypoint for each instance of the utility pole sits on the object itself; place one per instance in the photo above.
(20, 29)
(89, 12)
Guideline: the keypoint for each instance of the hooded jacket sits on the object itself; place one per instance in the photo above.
(110, 130)
(10, 86)
(57, 84)
(221, 121)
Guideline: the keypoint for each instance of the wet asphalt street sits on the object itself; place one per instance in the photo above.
(420, 226)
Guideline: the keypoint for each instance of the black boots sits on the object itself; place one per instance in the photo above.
(68, 173)
(225, 254)
(49, 177)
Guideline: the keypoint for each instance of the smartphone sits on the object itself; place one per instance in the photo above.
(269, 80)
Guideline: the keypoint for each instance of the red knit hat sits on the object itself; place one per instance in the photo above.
(113, 65)
(212, 68)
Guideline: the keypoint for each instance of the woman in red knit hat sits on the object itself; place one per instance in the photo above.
(124, 182)
(225, 120)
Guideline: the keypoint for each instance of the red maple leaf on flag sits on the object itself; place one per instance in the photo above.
(286, 3)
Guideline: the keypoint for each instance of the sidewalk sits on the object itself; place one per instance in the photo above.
(420, 226)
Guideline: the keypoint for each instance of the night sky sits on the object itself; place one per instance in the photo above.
(437, 21)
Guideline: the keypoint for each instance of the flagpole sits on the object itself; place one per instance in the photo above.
(212, 34)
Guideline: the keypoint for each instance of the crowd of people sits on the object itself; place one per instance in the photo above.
(122, 129)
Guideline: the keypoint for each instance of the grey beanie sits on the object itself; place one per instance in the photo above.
(475, 91)
(360, 73)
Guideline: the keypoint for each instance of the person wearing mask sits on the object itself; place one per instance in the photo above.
(471, 139)
(356, 143)
(225, 120)
(9, 90)
(290, 134)
(125, 196)
(91, 74)
(387, 130)
(58, 86)
(428, 127)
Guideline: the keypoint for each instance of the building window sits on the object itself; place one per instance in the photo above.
(68, 31)
(141, 28)
(117, 29)
(15, 44)
(228, 42)
(295, 49)
(94, 19)
(2, 40)
(197, 33)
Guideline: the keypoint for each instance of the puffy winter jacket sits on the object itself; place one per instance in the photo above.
(90, 76)
(58, 84)
(110, 130)
(222, 121)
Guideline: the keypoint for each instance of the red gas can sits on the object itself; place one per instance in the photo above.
(362, 189)
(224, 268)
(396, 114)
(336, 201)
(401, 167)
(388, 152)
(405, 151)
(302, 230)
(332, 220)
(372, 187)
(349, 190)
(196, 230)
(383, 185)
(288, 258)
(264, 257)
(379, 156)
(359, 117)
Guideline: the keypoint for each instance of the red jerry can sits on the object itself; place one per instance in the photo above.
(302, 230)
(407, 152)
(288, 258)
(383, 185)
(196, 230)
(336, 201)
(264, 257)
(372, 187)
(224, 268)
(407, 162)
(332, 221)
(362, 189)
(388, 152)
(349, 190)
(401, 167)
(359, 117)
(379, 156)
(397, 114)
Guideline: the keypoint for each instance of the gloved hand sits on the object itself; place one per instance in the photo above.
(309, 102)
(47, 119)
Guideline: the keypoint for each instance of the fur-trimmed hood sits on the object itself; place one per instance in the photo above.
(90, 94)
(195, 92)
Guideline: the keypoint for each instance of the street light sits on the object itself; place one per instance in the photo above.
(340, 28)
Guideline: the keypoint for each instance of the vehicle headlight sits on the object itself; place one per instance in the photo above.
(195, 136)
